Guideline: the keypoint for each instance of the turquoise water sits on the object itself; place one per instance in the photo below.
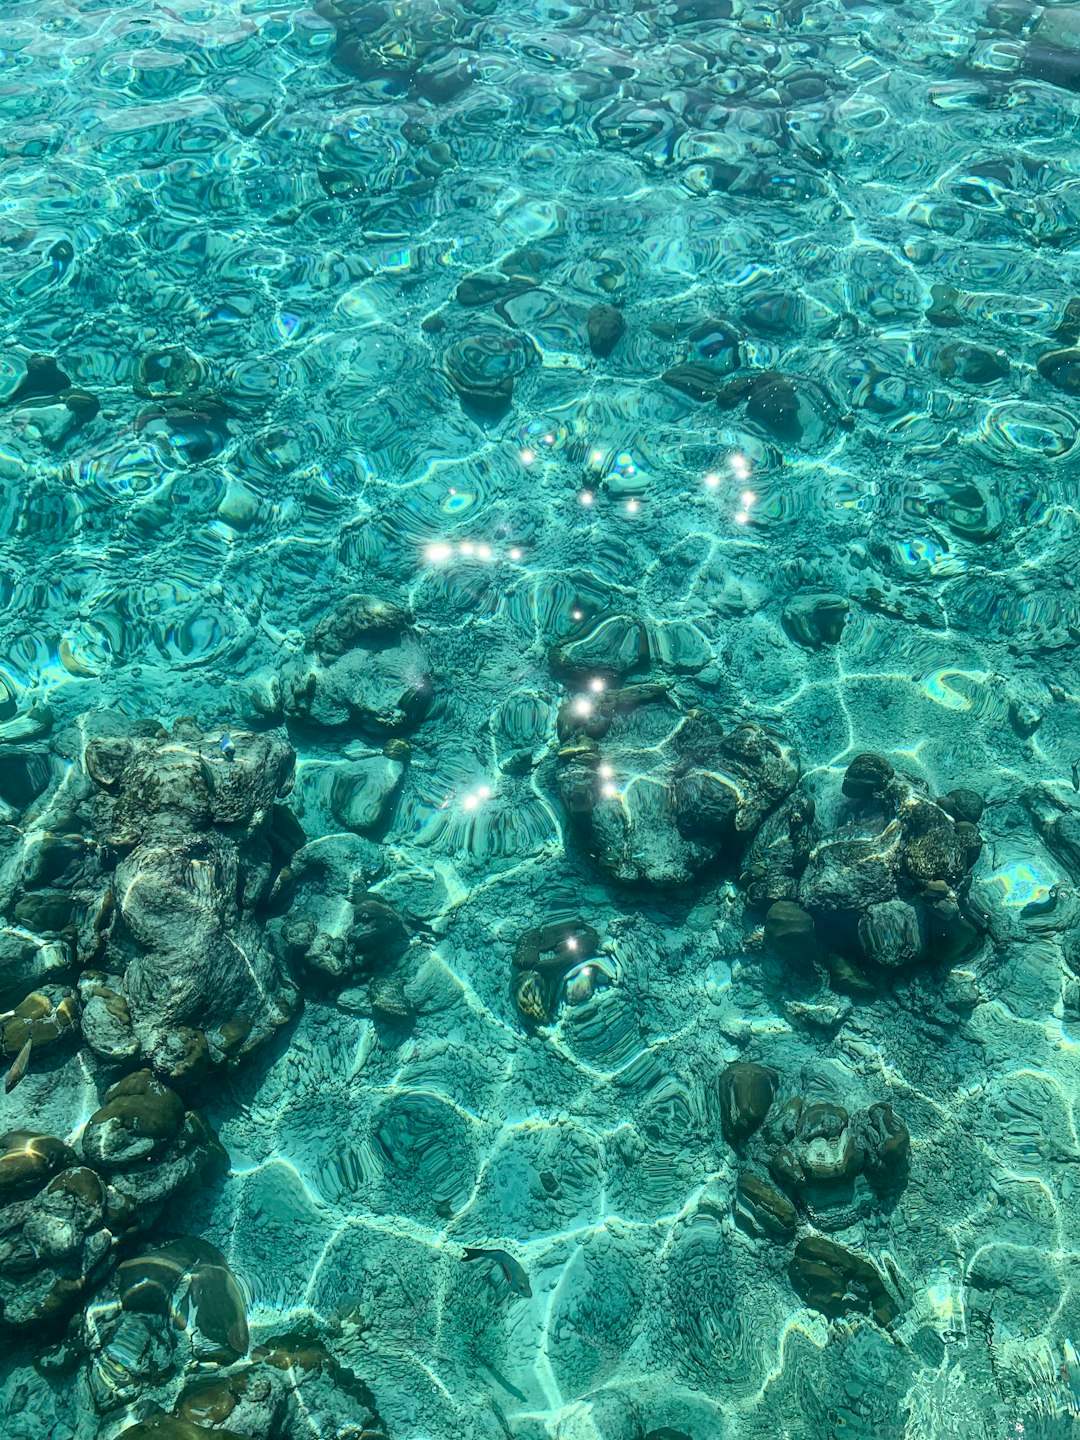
(513, 517)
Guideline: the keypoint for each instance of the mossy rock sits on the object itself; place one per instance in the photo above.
(140, 1118)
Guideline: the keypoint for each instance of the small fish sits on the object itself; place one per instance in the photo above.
(225, 745)
(1076, 774)
(18, 1069)
(515, 1275)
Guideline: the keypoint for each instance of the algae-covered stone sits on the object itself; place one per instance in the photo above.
(140, 1118)
(28, 1158)
(746, 1092)
(761, 1209)
(168, 1427)
(188, 1272)
(44, 1017)
(830, 1278)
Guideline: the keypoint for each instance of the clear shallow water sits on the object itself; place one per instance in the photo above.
(728, 349)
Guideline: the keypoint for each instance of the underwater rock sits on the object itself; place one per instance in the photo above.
(886, 1146)
(354, 620)
(28, 959)
(867, 777)
(606, 650)
(963, 804)
(762, 1210)
(290, 1384)
(830, 1278)
(28, 1158)
(890, 934)
(822, 1148)
(971, 364)
(483, 366)
(791, 409)
(168, 1427)
(185, 782)
(745, 1092)
(669, 793)
(532, 997)
(789, 931)
(196, 956)
(883, 903)
(187, 1281)
(556, 946)
(335, 929)
(140, 1118)
(60, 1223)
(148, 1145)
(1062, 369)
(362, 668)
(605, 325)
(362, 791)
(845, 874)
(43, 1017)
(816, 620)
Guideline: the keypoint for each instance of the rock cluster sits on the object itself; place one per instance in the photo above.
(655, 795)
(884, 889)
(183, 975)
(65, 1210)
(362, 668)
(813, 1163)
(554, 964)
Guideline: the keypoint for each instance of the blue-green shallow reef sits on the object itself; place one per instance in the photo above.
(539, 717)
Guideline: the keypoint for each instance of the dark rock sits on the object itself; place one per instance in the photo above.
(532, 996)
(556, 946)
(789, 931)
(28, 1158)
(971, 363)
(851, 875)
(607, 648)
(939, 854)
(890, 934)
(45, 1016)
(483, 366)
(1062, 369)
(830, 1278)
(188, 1271)
(816, 620)
(963, 805)
(355, 620)
(823, 1150)
(362, 669)
(886, 1145)
(698, 381)
(140, 1118)
(792, 409)
(867, 777)
(43, 380)
(761, 1209)
(745, 1092)
(944, 306)
(148, 1145)
(605, 325)
(489, 289)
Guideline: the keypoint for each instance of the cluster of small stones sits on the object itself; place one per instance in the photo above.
(169, 910)
(882, 889)
(166, 910)
(810, 1166)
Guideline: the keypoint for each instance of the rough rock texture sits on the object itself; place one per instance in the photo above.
(880, 891)
(656, 795)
